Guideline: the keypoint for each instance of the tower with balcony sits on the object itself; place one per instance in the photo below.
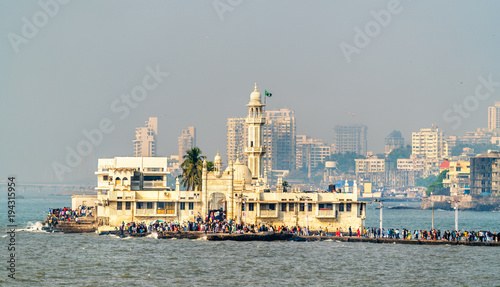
(255, 121)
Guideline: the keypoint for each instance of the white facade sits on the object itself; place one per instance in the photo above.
(370, 165)
(411, 164)
(430, 143)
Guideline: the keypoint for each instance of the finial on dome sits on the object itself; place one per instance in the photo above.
(255, 87)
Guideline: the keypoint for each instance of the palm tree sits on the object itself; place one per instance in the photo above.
(192, 168)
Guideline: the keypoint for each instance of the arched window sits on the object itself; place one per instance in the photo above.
(118, 181)
(125, 181)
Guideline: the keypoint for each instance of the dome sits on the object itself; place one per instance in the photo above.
(217, 158)
(241, 172)
(255, 95)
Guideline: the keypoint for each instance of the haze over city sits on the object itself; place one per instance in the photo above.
(203, 59)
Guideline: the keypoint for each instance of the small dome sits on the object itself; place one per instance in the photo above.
(255, 95)
(217, 158)
(241, 172)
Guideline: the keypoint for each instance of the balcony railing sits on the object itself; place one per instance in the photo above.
(268, 213)
(326, 213)
(153, 184)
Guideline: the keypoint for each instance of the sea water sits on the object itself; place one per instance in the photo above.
(56, 259)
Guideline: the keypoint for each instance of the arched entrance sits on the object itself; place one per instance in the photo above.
(217, 201)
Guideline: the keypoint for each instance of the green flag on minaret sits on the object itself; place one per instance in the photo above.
(267, 93)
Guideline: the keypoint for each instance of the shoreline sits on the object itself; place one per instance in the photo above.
(287, 236)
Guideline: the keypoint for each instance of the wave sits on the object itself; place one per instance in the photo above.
(153, 235)
(33, 227)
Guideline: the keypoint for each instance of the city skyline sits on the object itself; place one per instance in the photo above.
(74, 74)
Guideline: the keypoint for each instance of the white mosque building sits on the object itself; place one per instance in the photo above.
(135, 189)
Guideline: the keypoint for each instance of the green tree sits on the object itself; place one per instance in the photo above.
(438, 184)
(210, 165)
(402, 152)
(426, 181)
(345, 161)
(285, 185)
(192, 167)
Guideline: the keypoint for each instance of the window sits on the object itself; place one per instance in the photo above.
(139, 205)
(283, 206)
(325, 206)
(291, 206)
(161, 205)
(360, 207)
(149, 205)
(191, 207)
(341, 207)
(170, 207)
(104, 177)
(183, 206)
(265, 206)
(128, 205)
(119, 205)
(302, 207)
(250, 206)
(348, 206)
(310, 207)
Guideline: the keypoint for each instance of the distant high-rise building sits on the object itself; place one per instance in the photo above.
(351, 138)
(310, 152)
(494, 117)
(145, 138)
(394, 141)
(187, 141)
(237, 134)
(278, 138)
(430, 144)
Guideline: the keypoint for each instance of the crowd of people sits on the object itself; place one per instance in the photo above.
(57, 215)
(219, 224)
(448, 235)
(215, 222)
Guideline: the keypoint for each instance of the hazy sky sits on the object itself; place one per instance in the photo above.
(69, 73)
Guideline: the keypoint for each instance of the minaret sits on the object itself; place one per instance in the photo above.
(218, 165)
(255, 120)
